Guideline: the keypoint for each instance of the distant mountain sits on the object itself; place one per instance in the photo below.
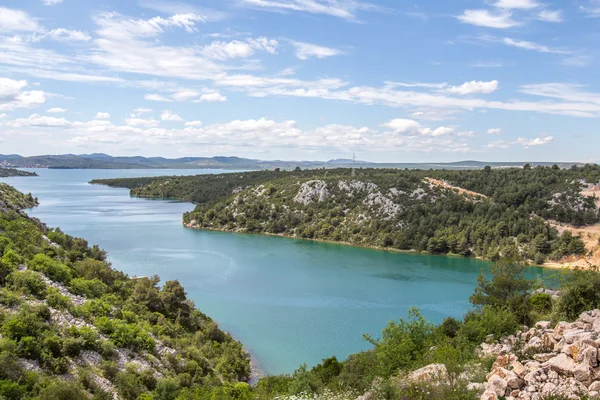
(105, 161)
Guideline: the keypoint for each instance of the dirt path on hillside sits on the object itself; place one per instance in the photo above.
(460, 190)
(590, 236)
(593, 191)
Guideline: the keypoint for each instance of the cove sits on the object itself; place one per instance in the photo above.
(288, 301)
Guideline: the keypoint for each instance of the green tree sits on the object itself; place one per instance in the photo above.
(508, 288)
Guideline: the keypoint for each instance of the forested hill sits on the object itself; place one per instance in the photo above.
(73, 328)
(6, 172)
(486, 213)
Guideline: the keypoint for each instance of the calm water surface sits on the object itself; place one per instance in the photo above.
(289, 301)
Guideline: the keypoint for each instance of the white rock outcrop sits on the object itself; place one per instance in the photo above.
(312, 191)
(560, 360)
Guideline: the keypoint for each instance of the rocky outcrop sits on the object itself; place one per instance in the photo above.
(430, 373)
(356, 186)
(382, 204)
(561, 359)
(312, 191)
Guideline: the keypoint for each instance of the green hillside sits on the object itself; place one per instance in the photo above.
(420, 210)
(74, 328)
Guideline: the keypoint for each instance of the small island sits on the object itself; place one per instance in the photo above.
(8, 172)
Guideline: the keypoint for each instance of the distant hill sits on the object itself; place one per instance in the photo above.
(105, 161)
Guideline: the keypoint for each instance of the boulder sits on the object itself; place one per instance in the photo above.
(512, 379)
(589, 356)
(563, 364)
(489, 395)
(583, 373)
(497, 385)
(543, 325)
(518, 369)
(594, 387)
(432, 372)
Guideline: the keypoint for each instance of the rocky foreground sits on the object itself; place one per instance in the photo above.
(547, 360)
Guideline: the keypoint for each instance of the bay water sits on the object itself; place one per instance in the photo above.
(288, 301)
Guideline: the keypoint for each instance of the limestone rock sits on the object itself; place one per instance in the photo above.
(429, 373)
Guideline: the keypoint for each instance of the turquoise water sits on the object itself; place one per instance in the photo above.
(288, 301)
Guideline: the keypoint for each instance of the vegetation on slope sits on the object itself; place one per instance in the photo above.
(73, 328)
(502, 305)
(7, 172)
(397, 209)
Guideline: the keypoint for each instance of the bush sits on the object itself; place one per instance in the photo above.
(62, 390)
(52, 268)
(10, 390)
(580, 292)
(541, 302)
(489, 321)
(89, 288)
(402, 343)
(56, 300)
(28, 282)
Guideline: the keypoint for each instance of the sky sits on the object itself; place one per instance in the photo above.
(389, 80)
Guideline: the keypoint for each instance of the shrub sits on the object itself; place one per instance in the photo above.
(52, 268)
(62, 390)
(488, 321)
(28, 282)
(56, 300)
(89, 288)
(580, 292)
(402, 343)
(541, 302)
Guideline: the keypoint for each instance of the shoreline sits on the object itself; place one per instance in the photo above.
(548, 265)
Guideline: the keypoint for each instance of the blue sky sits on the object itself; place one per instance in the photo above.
(391, 80)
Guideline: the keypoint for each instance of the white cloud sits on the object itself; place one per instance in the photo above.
(592, 8)
(550, 16)
(239, 49)
(211, 97)
(102, 115)
(185, 94)
(400, 125)
(66, 35)
(56, 110)
(466, 134)
(518, 4)
(474, 87)
(13, 96)
(416, 85)
(16, 21)
(345, 9)
(122, 45)
(51, 2)
(523, 44)
(441, 131)
(156, 97)
(534, 142)
(497, 144)
(147, 123)
(193, 123)
(502, 20)
(36, 120)
(304, 51)
(167, 115)
(494, 131)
